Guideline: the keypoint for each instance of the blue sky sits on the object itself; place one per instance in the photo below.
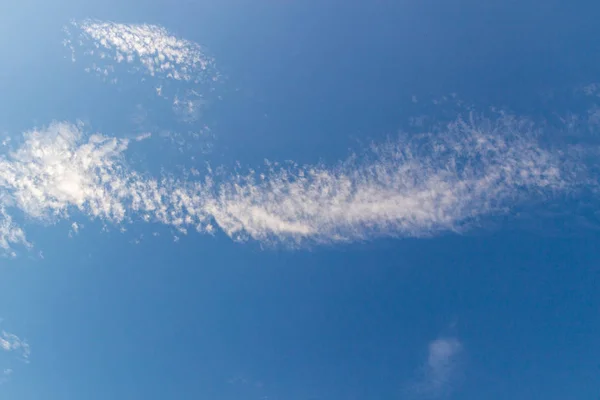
(299, 200)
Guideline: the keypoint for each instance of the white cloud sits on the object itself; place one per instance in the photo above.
(57, 168)
(75, 228)
(441, 371)
(143, 136)
(414, 186)
(12, 349)
(174, 69)
(10, 233)
(592, 89)
(147, 47)
(12, 343)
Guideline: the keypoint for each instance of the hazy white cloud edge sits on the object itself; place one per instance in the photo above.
(440, 374)
(414, 186)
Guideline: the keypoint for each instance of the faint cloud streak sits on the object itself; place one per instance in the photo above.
(441, 372)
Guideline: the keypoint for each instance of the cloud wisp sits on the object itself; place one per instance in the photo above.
(10, 234)
(440, 374)
(417, 185)
(11, 346)
(148, 48)
(176, 69)
(12, 343)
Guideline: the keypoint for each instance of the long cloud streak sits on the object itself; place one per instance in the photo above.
(415, 186)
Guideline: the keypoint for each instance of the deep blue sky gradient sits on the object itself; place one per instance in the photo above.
(208, 318)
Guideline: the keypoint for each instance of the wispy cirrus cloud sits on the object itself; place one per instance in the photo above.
(147, 48)
(169, 67)
(441, 372)
(10, 342)
(413, 186)
(5, 375)
(11, 346)
(10, 234)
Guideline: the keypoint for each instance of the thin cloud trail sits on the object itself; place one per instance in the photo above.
(414, 186)
(411, 187)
